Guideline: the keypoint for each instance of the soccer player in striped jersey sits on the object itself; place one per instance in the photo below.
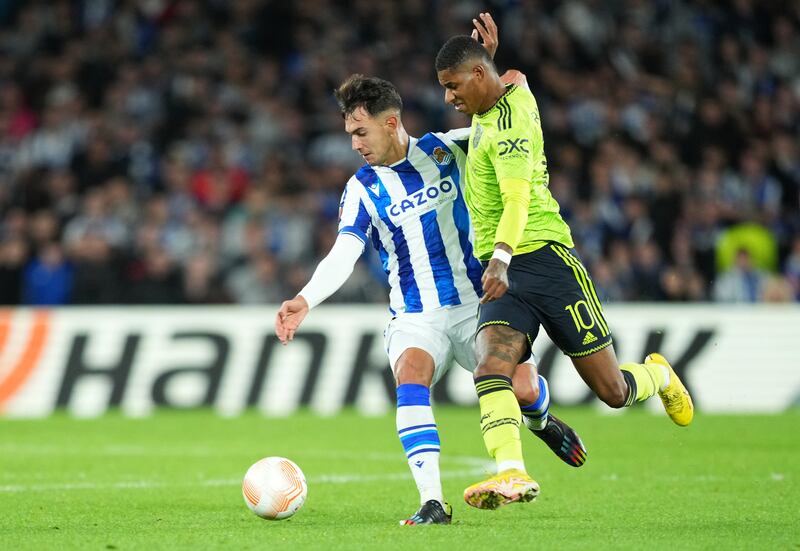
(522, 241)
(407, 202)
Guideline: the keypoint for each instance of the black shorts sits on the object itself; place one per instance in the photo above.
(551, 287)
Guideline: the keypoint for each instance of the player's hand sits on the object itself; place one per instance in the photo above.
(289, 317)
(495, 280)
(512, 76)
(485, 32)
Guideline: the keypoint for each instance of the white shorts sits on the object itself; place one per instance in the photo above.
(445, 334)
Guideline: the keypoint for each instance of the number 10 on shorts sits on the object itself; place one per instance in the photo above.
(580, 312)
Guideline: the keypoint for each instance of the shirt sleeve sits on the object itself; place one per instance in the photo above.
(333, 270)
(516, 196)
(459, 137)
(353, 215)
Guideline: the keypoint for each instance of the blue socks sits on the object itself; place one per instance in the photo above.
(535, 415)
(417, 430)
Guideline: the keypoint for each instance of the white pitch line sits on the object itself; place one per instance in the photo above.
(344, 478)
(201, 451)
(341, 478)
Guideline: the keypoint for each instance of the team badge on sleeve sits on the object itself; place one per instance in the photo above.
(476, 138)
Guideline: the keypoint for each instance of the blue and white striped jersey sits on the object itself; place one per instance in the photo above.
(414, 213)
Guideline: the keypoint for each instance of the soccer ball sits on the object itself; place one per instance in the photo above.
(274, 488)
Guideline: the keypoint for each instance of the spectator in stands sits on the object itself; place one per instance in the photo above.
(201, 283)
(257, 281)
(742, 283)
(97, 278)
(154, 279)
(13, 254)
(47, 279)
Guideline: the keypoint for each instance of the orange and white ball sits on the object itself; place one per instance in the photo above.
(274, 488)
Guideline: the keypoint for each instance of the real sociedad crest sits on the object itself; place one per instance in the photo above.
(476, 138)
(441, 157)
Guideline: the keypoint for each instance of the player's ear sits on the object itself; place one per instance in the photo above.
(479, 71)
(392, 121)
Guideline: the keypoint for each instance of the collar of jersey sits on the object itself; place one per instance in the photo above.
(412, 141)
(509, 88)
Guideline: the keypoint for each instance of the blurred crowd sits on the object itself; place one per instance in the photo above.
(192, 152)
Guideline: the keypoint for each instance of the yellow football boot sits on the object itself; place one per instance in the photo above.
(675, 397)
(501, 489)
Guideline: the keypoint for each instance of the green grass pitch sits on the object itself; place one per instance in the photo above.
(172, 481)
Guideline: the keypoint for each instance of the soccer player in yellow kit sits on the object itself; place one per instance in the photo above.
(532, 276)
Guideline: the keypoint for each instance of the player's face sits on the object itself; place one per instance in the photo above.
(370, 136)
(463, 87)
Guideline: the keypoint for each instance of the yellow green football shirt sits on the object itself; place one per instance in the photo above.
(506, 143)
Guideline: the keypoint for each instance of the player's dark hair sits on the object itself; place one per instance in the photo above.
(374, 94)
(459, 49)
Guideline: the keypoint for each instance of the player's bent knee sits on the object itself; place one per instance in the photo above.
(411, 374)
(414, 367)
(614, 397)
(526, 384)
(493, 366)
(413, 378)
(526, 396)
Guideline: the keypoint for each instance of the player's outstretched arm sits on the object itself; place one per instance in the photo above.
(330, 275)
(485, 32)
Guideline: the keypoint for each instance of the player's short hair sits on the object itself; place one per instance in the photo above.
(459, 49)
(374, 94)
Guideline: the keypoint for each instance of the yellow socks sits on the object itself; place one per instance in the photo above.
(500, 420)
(644, 380)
